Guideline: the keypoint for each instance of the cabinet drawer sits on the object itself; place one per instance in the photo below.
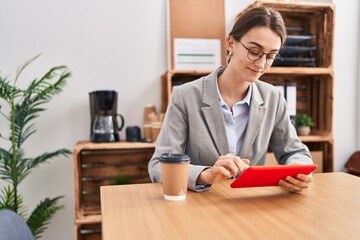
(100, 166)
(89, 232)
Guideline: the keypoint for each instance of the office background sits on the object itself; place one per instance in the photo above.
(121, 45)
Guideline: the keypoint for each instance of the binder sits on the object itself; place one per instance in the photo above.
(290, 95)
(289, 92)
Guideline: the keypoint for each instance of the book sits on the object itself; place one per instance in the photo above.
(288, 90)
(290, 95)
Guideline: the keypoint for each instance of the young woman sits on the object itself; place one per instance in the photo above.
(229, 116)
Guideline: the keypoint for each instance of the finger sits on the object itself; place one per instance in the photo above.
(229, 164)
(306, 178)
(247, 161)
(226, 157)
(241, 165)
(220, 172)
(297, 182)
(289, 187)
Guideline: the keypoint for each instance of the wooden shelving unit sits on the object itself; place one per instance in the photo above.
(314, 84)
(98, 164)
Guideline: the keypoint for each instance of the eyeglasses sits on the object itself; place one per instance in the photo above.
(256, 53)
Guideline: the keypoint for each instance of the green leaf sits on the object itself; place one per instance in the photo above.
(25, 106)
(304, 121)
(47, 156)
(7, 201)
(7, 91)
(9, 166)
(39, 92)
(120, 180)
(40, 217)
(42, 88)
(7, 198)
(23, 66)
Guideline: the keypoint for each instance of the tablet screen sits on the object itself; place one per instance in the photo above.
(262, 176)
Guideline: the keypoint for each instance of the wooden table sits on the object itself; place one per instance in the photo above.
(329, 209)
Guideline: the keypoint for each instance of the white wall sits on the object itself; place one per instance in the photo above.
(358, 89)
(111, 44)
(121, 45)
(346, 64)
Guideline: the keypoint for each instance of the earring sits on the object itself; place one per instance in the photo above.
(230, 54)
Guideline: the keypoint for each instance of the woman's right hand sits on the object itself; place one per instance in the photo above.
(225, 167)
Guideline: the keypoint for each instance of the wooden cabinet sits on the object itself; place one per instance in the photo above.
(314, 85)
(98, 164)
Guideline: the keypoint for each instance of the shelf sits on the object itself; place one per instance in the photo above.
(293, 71)
(83, 145)
(315, 19)
(91, 219)
(188, 72)
(272, 70)
(316, 138)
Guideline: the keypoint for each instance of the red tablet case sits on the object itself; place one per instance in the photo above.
(262, 176)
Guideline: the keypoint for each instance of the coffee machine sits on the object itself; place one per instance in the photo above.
(105, 126)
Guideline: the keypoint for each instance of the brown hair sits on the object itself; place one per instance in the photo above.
(259, 17)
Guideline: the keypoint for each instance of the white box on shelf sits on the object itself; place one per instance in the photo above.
(197, 54)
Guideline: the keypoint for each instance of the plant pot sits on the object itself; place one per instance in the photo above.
(303, 131)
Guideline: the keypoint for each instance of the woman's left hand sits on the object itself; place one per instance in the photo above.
(297, 184)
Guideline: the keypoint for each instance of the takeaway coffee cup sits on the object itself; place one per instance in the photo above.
(175, 172)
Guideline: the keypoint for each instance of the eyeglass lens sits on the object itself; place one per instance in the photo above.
(255, 54)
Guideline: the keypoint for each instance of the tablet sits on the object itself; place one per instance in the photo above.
(263, 176)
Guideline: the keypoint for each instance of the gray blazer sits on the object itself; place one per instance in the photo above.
(194, 124)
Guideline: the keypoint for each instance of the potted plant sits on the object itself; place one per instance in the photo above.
(303, 124)
(19, 108)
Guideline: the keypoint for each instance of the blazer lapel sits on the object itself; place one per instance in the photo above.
(213, 114)
(256, 117)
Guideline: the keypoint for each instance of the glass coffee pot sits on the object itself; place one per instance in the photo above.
(103, 129)
(105, 126)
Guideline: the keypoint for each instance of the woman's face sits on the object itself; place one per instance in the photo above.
(259, 40)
